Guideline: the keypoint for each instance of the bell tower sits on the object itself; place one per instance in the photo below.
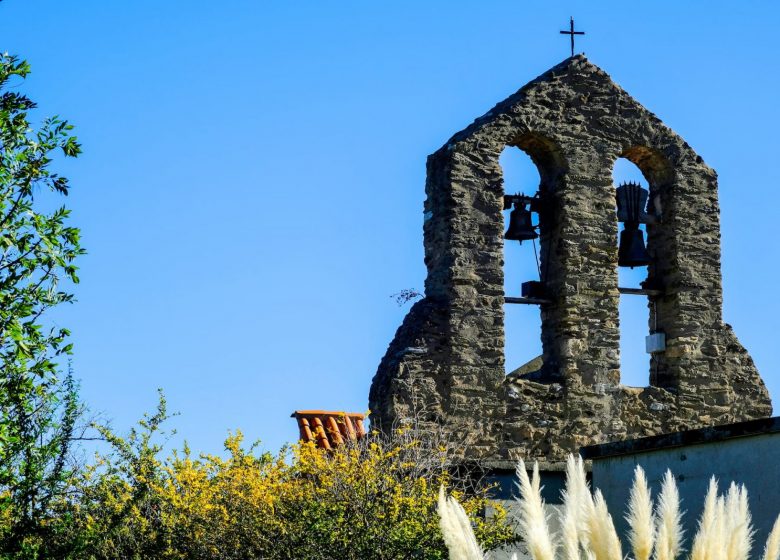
(445, 365)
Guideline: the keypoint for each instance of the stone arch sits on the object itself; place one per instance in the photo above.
(635, 319)
(550, 163)
(545, 153)
(660, 174)
(522, 323)
(552, 166)
(656, 167)
(684, 243)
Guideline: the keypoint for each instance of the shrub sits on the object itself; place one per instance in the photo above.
(375, 499)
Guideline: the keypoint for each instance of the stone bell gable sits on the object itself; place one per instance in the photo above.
(446, 363)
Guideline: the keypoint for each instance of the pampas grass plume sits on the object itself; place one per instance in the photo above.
(738, 523)
(669, 532)
(640, 517)
(724, 531)
(576, 498)
(772, 548)
(603, 539)
(718, 536)
(533, 520)
(706, 540)
(456, 529)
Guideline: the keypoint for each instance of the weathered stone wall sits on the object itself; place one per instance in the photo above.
(446, 363)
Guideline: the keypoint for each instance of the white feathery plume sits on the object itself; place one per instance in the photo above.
(738, 523)
(456, 529)
(475, 551)
(640, 518)
(603, 540)
(730, 504)
(588, 532)
(772, 548)
(584, 496)
(533, 521)
(573, 514)
(702, 542)
(449, 530)
(719, 537)
(669, 531)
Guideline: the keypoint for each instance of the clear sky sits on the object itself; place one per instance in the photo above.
(251, 188)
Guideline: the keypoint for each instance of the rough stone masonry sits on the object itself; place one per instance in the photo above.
(445, 366)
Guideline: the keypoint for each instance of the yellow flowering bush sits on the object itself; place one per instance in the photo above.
(375, 499)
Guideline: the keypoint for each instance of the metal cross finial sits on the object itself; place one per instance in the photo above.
(572, 33)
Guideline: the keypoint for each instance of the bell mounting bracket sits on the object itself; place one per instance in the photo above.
(520, 199)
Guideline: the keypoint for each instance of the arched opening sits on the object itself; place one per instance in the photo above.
(633, 309)
(522, 323)
(663, 311)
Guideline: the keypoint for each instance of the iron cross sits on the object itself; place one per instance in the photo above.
(572, 33)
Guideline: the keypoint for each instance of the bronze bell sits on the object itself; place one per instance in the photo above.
(520, 227)
(631, 250)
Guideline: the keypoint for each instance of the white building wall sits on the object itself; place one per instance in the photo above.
(751, 460)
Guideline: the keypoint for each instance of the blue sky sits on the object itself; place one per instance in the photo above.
(251, 188)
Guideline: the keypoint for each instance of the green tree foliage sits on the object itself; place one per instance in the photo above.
(38, 405)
